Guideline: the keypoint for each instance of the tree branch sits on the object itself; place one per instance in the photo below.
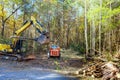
(12, 13)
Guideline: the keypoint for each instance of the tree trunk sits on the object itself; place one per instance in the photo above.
(86, 40)
(93, 36)
(67, 36)
(104, 42)
(3, 23)
(110, 31)
(3, 27)
(14, 23)
(109, 36)
(90, 38)
(100, 24)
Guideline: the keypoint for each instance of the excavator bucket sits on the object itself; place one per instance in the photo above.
(43, 39)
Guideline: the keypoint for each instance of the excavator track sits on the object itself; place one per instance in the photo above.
(14, 57)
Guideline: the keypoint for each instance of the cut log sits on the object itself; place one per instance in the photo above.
(93, 70)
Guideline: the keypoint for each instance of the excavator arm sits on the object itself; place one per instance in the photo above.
(42, 39)
(38, 26)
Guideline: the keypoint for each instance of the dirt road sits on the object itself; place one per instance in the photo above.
(13, 70)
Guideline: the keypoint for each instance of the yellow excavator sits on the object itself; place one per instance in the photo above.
(14, 49)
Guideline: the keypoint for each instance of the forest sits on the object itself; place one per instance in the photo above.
(89, 27)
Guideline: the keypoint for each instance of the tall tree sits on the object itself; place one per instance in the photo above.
(86, 40)
(100, 24)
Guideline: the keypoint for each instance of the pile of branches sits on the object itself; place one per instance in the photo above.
(106, 71)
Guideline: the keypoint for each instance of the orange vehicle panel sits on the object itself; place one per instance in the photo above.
(54, 52)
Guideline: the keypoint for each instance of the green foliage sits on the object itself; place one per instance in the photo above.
(4, 40)
(107, 14)
(57, 65)
(108, 56)
(78, 47)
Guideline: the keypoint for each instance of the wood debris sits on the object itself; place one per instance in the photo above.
(117, 54)
(106, 71)
(93, 70)
(30, 57)
(110, 71)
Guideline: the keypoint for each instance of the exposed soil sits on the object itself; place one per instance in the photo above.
(68, 64)
(65, 64)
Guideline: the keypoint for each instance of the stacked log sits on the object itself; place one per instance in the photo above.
(93, 70)
(106, 71)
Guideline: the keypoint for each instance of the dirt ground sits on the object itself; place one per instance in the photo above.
(69, 63)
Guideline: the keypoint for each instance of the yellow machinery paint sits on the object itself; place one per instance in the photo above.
(5, 48)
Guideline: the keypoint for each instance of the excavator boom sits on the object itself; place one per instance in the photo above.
(23, 28)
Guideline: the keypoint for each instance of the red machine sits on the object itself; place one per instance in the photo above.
(54, 51)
